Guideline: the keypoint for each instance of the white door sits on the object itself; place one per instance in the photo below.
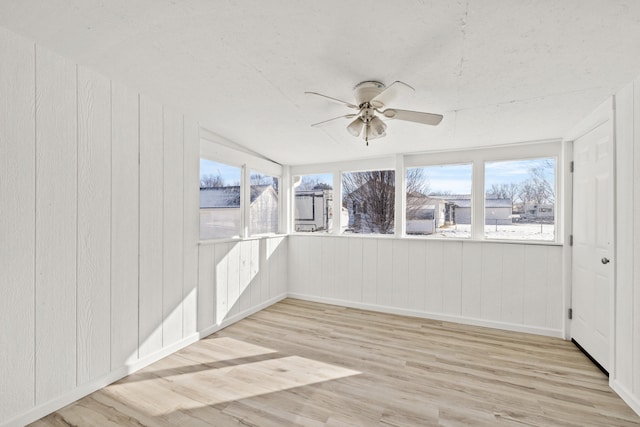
(593, 242)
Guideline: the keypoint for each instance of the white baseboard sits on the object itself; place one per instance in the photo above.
(88, 388)
(626, 395)
(239, 316)
(85, 389)
(556, 333)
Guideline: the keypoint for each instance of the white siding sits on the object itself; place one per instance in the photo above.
(450, 280)
(625, 378)
(17, 217)
(74, 204)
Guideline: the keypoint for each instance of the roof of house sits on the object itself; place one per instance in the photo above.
(464, 201)
(229, 196)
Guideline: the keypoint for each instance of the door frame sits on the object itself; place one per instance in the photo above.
(601, 115)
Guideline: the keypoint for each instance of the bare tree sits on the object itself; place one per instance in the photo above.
(211, 181)
(374, 193)
(418, 188)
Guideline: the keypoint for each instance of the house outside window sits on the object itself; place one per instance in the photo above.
(369, 198)
(520, 197)
(220, 214)
(439, 201)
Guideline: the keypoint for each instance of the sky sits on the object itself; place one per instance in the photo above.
(230, 174)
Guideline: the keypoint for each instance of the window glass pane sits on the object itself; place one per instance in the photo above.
(219, 200)
(439, 201)
(369, 198)
(520, 200)
(313, 203)
(263, 210)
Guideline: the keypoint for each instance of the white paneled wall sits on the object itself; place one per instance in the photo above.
(98, 226)
(239, 278)
(506, 285)
(625, 378)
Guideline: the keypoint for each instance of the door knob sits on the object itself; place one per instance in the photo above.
(605, 260)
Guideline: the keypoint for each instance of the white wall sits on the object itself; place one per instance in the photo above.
(99, 216)
(505, 285)
(625, 375)
(237, 278)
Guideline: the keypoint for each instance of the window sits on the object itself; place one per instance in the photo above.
(439, 201)
(520, 199)
(220, 215)
(313, 203)
(369, 199)
(263, 209)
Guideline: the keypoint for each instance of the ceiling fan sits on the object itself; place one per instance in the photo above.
(371, 97)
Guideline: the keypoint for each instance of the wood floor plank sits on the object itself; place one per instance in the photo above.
(300, 363)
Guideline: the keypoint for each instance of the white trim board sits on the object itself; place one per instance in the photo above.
(555, 333)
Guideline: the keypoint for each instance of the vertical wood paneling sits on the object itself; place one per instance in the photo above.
(191, 215)
(452, 281)
(245, 275)
(297, 262)
(124, 226)
(472, 255)
(94, 226)
(636, 242)
(283, 283)
(173, 227)
(369, 273)
(265, 268)
(417, 278)
(435, 277)
(206, 286)
(151, 227)
(328, 272)
(254, 267)
(221, 274)
(342, 269)
(355, 272)
(400, 260)
(56, 225)
(312, 270)
(554, 288)
(624, 234)
(535, 286)
(276, 266)
(17, 218)
(385, 271)
(513, 262)
(491, 301)
(233, 277)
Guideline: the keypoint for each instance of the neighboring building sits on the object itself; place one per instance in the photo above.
(220, 214)
(453, 209)
(542, 211)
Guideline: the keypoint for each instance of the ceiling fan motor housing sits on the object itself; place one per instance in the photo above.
(366, 91)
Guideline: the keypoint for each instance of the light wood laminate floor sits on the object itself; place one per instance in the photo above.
(308, 364)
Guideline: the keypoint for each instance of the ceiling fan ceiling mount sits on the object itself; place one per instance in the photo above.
(370, 96)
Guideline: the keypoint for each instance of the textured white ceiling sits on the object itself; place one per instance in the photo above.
(500, 71)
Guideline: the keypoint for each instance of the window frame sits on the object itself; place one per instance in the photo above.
(217, 149)
(248, 197)
(477, 157)
(556, 204)
(408, 166)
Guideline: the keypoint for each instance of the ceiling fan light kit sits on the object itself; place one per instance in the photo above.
(371, 96)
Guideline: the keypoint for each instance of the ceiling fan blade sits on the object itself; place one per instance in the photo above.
(348, 116)
(347, 104)
(412, 116)
(391, 93)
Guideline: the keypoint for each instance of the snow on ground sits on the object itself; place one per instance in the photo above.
(505, 232)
